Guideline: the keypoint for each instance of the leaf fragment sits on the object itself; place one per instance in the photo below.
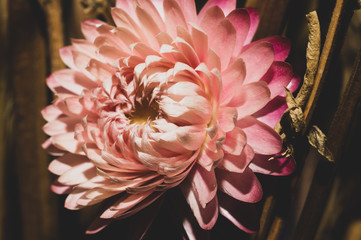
(318, 140)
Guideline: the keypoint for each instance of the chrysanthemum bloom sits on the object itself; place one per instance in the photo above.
(168, 98)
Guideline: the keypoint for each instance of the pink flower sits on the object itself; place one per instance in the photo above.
(169, 98)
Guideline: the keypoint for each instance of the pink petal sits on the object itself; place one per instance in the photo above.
(272, 112)
(202, 183)
(209, 157)
(100, 70)
(51, 149)
(280, 45)
(153, 9)
(276, 167)
(78, 174)
(66, 55)
(224, 33)
(226, 5)
(251, 98)
(173, 16)
(51, 112)
(241, 22)
(212, 17)
(60, 165)
(278, 77)
(124, 204)
(242, 215)
(97, 225)
(242, 186)
(293, 85)
(127, 6)
(235, 141)
(232, 80)
(227, 118)
(189, 10)
(89, 29)
(254, 21)
(188, 52)
(72, 199)
(207, 216)
(258, 60)
(73, 81)
(262, 138)
(237, 164)
(200, 41)
(67, 142)
(59, 188)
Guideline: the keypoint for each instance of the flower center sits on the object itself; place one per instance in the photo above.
(144, 112)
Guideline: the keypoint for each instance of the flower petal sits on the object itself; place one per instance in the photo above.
(262, 138)
(251, 98)
(235, 141)
(237, 164)
(258, 60)
(203, 184)
(241, 22)
(272, 112)
(242, 186)
(278, 77)
(226, 5)
(254, 21)
(242, 215)
(207, 216)
(276, 167)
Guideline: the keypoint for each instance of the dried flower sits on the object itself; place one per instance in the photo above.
(169, 98)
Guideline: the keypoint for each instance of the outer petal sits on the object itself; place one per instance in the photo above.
(226, 5)
(258, 60)
(278, 77)
(251, 98)
(280, 45)
(89, 28)
(242, 186)
(203, 184)
(241, 22)
(254, 21)
(277, 166)
(262, 138)
(207, 216)
(272, 112)
(242, 215)
(189, 10)
(237, 164)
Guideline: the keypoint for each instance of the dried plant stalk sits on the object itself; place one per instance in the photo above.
(312, 57)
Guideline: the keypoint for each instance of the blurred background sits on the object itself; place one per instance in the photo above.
(320, 200)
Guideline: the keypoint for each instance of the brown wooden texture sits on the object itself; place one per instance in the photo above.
(27, 71)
